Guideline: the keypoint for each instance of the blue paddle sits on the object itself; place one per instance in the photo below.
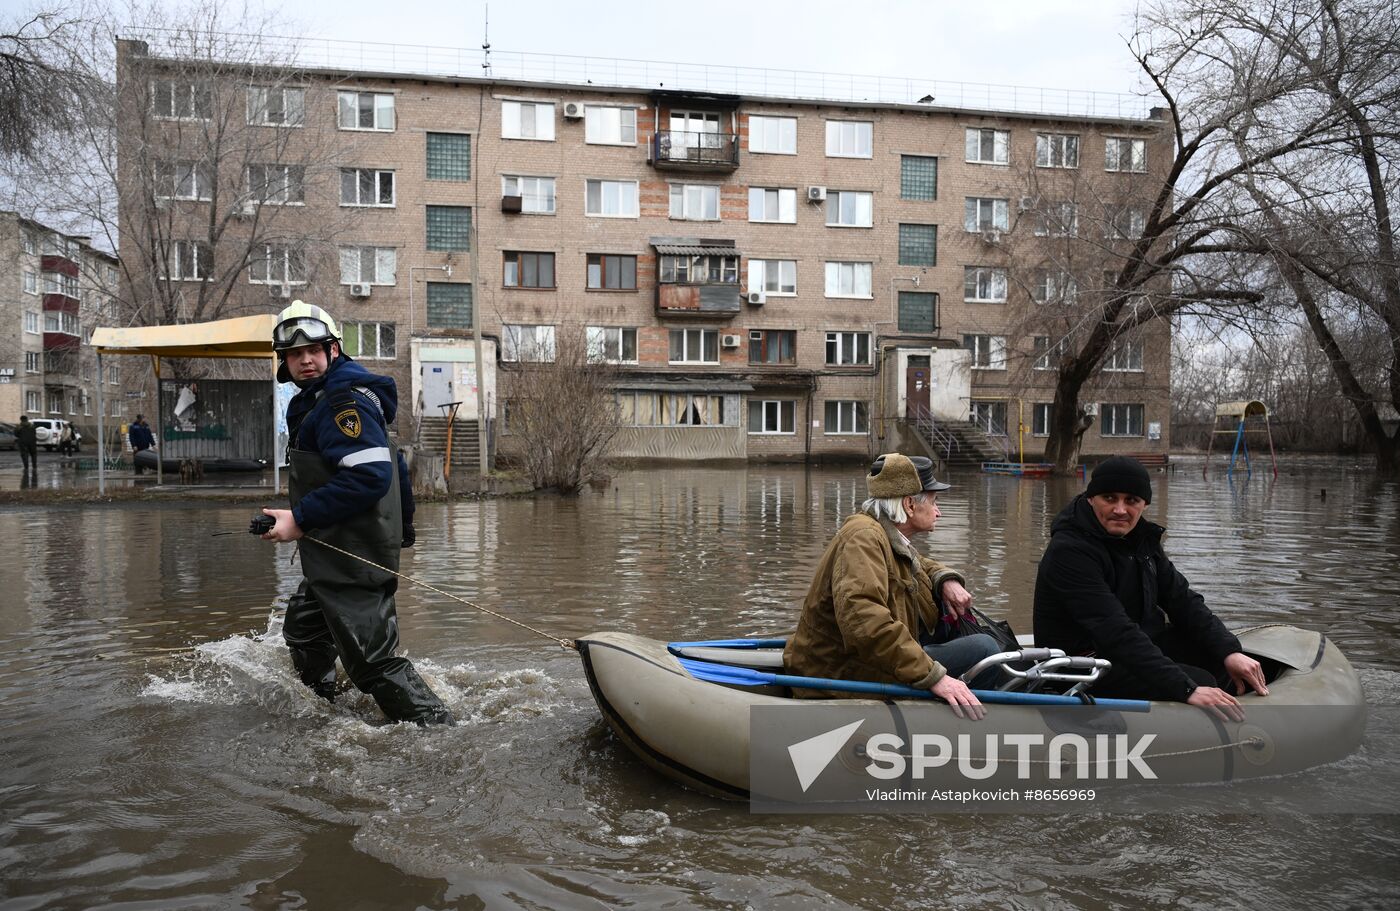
(743, 676)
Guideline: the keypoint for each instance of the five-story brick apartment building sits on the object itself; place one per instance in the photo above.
(776, 278)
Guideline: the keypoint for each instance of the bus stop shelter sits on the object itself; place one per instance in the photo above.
(240, 337)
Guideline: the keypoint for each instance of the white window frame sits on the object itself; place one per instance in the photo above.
(853, 280)
(766, 201)
(378, 328)
(189, 261)
(1053, 286)
(602, 341)
(32, 323)
(1125, 357)
(990, 279)
(536, 193)
(382, 123)
(199, 175)
(846, 348)
(31, 282)
(33, 362)
(1044, 351)
(618, 186)
(383, 265)
(776, 410)
(857, 205)
(692, 201)
(1057, 150)
(258, 103)
(1059, 219)
(770, 135)
(33, 401)
(1113, 154)
(279, 193)
(847, 139)
(1001, 146)
(1110, 413)
(529, 344)
(541, 123)
(1124, 223)
(988, 351)
(378, 179)
(285, 257)
(114, 375)
(29, 241)
(702, 339)
(852, 418)
(186, 93)
(973, 210)
(783, 273)
(609, 125)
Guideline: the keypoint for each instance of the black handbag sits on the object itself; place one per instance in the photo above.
(974, 622)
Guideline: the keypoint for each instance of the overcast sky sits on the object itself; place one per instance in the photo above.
(1068, 44)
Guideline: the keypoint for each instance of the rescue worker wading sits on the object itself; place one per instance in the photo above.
(345, 490)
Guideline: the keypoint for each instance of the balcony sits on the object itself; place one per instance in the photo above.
(60, 263)
(697, 278)
(689, 151)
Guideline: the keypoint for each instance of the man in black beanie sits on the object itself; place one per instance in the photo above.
(1105, 587)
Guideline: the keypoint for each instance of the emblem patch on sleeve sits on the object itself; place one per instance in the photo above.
(349, 422)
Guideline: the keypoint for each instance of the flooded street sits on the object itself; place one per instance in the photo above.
(159, 753)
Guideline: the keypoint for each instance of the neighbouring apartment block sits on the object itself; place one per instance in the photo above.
(53, 291)
(775, 278)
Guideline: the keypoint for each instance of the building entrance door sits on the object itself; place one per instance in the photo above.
(917, 382)
(437, 387)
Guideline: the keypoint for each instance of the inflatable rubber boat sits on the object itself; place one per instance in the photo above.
(690, 710)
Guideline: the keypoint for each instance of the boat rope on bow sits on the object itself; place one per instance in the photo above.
(562, 642)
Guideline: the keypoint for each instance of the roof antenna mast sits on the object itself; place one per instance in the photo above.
(486, 41)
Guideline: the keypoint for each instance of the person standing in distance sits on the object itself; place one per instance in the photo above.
(347, 489)
(27, 436)
(139, 433)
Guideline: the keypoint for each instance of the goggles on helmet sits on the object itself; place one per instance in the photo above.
(309, 328)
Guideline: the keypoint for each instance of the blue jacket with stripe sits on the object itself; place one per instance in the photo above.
(342, 416)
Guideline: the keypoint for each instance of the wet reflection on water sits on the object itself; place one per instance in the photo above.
(158, 750)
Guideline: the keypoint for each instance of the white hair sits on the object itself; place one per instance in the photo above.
(891, 508)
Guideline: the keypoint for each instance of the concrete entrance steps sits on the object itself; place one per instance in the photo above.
(432, 437)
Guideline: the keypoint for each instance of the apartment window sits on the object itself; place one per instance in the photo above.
(773, 276)
(31, 322)
(849, 138)
(988, 351)
(449, 156)
(773, 135)
(59, 283)
(366, 187)
(1042, 418)
(670, 409)
(611, 198)
(51, 321)
(988, 417)
(984, 285)
(449, 228)
(190, 261)
(611, 344)
(848, 280)
(918, 312)
(31, 283)
(609, 125)
(1124, 223)
(178, 99)
(772, 416)
(1056, 150)
(536, 193)
(846, 417)
(609, 272)
(284, 184)
(1054, 287)
(365, 110)
(985, 214)
(529, 270)
(375, 265)
(183, 179)
(449, 305)
(111, 276)
(695, 202)
(114, 376)
(276, 106)
(55, 403)
(988, 146)
(918, 245)
(773, 204)
(772, 346)
(694, 346)
(918, 177)
(276, 264)
(32, 402)
(33, 362)
(368, 341)
(527, 344)
(849, 209)
(87, 404)
(527, 120)
(1126, 357)
(1120, 420)
(31, 243)
(699, 270)
(1047, 356)
(116, 408)
(1125, 154)
(847, 349)
(1059, 219)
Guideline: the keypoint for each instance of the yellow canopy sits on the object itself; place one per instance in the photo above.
(243, 336)
(1250, 409)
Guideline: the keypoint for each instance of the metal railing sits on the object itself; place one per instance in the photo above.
(684, 147)
(937, 438)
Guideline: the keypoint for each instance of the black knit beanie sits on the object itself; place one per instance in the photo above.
(1120, 474)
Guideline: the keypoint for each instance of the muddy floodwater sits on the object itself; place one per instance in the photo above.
(157, 752)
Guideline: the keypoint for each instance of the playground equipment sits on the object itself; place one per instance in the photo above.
(1239, 419)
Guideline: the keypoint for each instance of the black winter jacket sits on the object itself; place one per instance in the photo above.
(1111, 597)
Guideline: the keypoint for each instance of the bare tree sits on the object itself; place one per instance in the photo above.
(560, 406)
(40, 95)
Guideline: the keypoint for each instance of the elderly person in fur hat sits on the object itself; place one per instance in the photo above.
(875, 598)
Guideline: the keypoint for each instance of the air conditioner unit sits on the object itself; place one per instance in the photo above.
(992, 237)
(281, 292)
(816, 194)
(162, 202)
(359, 289)
(756, 298)
(1091, 409)
(1026, 204)
(248, 209)
(511, 203)
(729, 340)
(573, 110)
